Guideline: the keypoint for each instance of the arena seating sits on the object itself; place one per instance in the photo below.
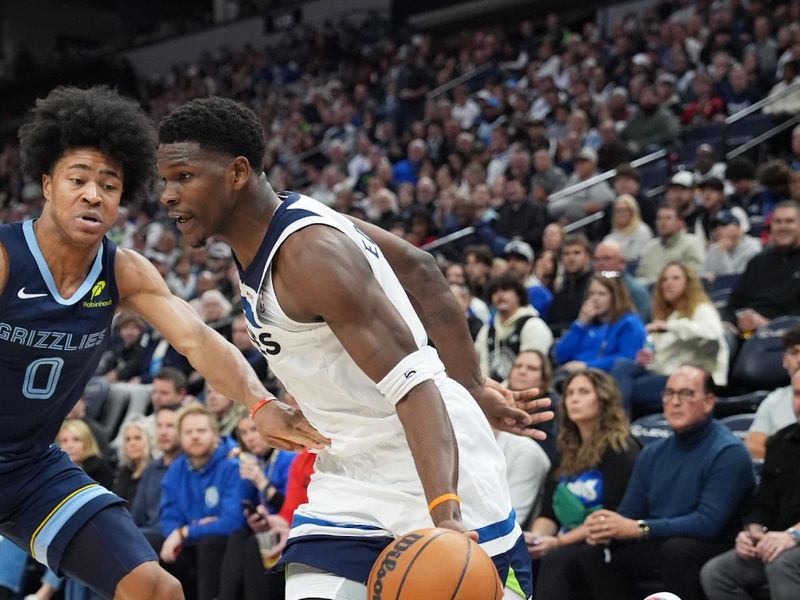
(759, 364)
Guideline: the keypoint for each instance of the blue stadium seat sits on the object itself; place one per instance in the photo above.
(113, 412)
(695, 136)
(95, 395)
(746, 129)
(719, 297)
(727, 406)
(739, 424)
(653, 175)
(134, 397)
(724, 282)
(631, 265)
(759, 365)
(650, 428)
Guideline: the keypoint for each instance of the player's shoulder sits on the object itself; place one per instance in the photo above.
(133, 272)
(128, 263)
(314, 246)
(5, 266)
(306, 251)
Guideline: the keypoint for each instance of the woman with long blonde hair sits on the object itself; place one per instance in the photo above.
(77, 440)
(594, 459)
(686, 329)
(135, 454)
(627, 227)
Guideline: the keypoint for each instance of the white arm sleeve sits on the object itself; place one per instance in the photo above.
(406, 375)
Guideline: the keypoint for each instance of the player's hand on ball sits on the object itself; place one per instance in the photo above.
(515, 411)
(458, 526)
(285, 427)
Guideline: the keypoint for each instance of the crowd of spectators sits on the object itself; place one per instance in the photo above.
(606, 314)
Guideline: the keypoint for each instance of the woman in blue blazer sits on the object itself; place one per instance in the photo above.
(607, 327)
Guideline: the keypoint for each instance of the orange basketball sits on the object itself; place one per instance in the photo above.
(434, 564)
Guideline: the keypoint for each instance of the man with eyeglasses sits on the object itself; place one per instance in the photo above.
(679, 507)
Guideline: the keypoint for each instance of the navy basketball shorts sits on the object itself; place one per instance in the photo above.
(50, 502)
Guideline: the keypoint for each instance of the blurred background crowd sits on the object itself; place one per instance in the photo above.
(611, 194)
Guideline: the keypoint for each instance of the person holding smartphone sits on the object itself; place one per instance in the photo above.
(264, 472)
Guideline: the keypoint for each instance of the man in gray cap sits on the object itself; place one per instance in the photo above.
(586, 201)
(731, 250)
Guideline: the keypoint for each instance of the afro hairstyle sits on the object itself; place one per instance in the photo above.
(219, 125)
(99, 118)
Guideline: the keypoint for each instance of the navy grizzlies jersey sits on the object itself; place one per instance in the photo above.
(49, 346)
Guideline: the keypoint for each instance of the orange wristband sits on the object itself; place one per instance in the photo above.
(443, 498)
(258, 406)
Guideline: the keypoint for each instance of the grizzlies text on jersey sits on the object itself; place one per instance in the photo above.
(49, 348)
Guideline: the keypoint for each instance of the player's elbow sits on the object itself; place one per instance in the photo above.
(427, 265)
(196, 341)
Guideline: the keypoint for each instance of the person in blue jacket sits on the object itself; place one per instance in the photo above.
(265, 474)
(607, 327)
(201, 496)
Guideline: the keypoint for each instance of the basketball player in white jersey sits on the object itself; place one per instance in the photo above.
(410, 446)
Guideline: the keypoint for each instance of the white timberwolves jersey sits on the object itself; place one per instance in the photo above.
(365, 483)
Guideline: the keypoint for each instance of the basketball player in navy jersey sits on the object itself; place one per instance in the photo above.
(61, 280)
(332, 306)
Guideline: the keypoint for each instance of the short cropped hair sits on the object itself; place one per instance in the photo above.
(482, 253)
(219, 125)
(97, 118)
(626, 170)
(577, 239)
(791, 338)
(174, 375)
(709, 387)
(195, 408)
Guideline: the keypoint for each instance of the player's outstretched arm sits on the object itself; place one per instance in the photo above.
(143, 290)
(319, 274)
(4, 267)
(446, 325)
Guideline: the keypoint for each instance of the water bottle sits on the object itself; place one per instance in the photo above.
(650, 345)
(650, 348)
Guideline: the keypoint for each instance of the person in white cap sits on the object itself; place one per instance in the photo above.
(681, 195)
(520, 257)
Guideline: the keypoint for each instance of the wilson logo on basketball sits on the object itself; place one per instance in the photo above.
(389, 563)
